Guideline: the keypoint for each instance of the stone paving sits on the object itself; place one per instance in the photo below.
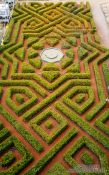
(105, 9)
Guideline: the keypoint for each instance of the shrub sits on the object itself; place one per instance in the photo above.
(50, 75)
(48, 124)
(46, 159)
(83, 124)
(31, 41)
(86, 158)
(35, 124)
(8, 159)
(4, 133)
(80, 98)
(65, 45)
(72, 41)
(38, 46)
(27, 68)
(58, 168)
(50, 67)
(20, 165)
(23, 107)
(31, 139)
(52, 41)
(8, 32)
(32, 53)
(82, 53)
(65, 62)
(70, 53)
(36, 63)
(19, 98)
(106, 74)
(84, 141)
(20, 54)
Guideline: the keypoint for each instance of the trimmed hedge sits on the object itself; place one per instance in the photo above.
(8, 159)
(75, 106)
(58, 169)
(88, 160)
(38, 46)
(50, 75)
(84, 141)
(70, 53)
(31, 139)
(5, 70)
(106, 74)
(65, 62)
(4, 133)
(82, 53)
(83, 124)
(27, 116)
(19, 110)
(49, 156)
(32, 53)
(8, 32)
(50, 67)
(65, 45)
(72, 41)
(36, 63)
(35, 124)
(27, 157)
(100, 122)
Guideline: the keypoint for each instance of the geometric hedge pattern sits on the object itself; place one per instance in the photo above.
(53, 116)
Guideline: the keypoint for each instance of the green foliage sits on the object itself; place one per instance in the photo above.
(80, 98)
(36, 63)
(83, 125)
(20, 54)
(52, 41)
(77, 91)
(106, 74)
(72, 41)
(101, 122)
(74, 68)
(86, 158)
(57, 169)
(4, 133)
(27, 68)
(84, 141)
(65, 62)
(8, 32)
(19, 98)
(70, 53)
(31, 40)
(27, 135)
(20, 165)
(32, 53)
(50, 67)
(82, 53)
(48, 124)
(23, 107)
(38, 46)
(36, 122)
(55, 149)
(8, 159)
(65, 45)
(50, 75)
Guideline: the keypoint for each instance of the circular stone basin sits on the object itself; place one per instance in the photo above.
(51, 54)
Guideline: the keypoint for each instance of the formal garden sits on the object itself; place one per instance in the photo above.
(54, 116)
